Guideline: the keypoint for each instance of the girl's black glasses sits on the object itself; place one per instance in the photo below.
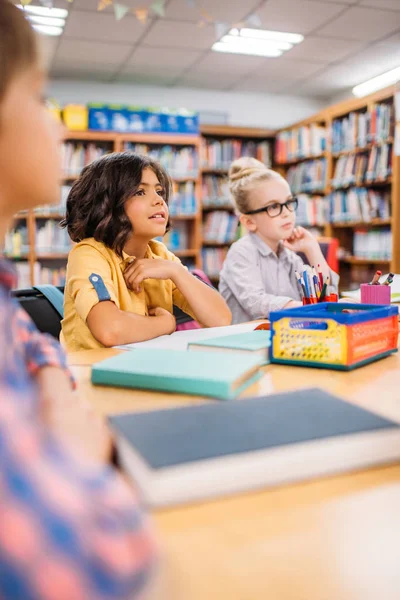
(275, 209)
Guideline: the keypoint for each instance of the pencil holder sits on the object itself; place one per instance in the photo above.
(375, 294)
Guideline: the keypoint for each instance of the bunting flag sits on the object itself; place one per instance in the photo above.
(159, 7)
(220, 29)
(103, 4)
(120, 10)
(254, 21)
(141, 14)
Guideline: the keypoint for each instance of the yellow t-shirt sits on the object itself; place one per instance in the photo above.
(90, 257)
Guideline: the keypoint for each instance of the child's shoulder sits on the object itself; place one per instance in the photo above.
(91, 247)
(242, 245)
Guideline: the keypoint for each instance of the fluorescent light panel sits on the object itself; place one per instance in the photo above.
(48, 29)
(377, 83)
(43, 11)
(257, 42)
(46, 21)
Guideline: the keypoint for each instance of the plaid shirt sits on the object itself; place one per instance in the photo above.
(68, 531)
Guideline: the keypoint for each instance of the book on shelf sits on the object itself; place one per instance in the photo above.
(215, 191)
(50, 238)
(359, 204)
(301, 142)
(77, 155)
(358, 129)
(308, 177)
(17, 241)
(219, 154)
(178, 161)
(369, 167)
(183, 201)
(311, 211)
(54, 209)
(372, 244)
(220, 227)
(177, 238)
(213, 260)
(23, 270)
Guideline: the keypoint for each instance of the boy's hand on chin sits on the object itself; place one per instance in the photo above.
(301, 240)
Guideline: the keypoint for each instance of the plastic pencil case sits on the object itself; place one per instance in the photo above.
(330, 335)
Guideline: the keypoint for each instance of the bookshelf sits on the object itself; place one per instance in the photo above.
(220, 145)
(359, 201)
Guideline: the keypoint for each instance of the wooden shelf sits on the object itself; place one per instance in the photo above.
(360, 150)
(232, 131)
(90, 136)
(296, 161)
(352, 224)
(57, 216)
(159, 139)
(184, 179)
(66, 178)
(227, 207)
(51, 256)
(353, 260)
(183, 253)
(184, 217)
(214, 171)
(370, 184)
(217, 244)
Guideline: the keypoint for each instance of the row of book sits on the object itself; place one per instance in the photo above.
(183, 202)
(357, 130)
(308, 177)
(179, 162)
(16, 243)
(302, 142)
(213, 260)
(54, 209)
(219, 154)
(358, 204)
(369, 167)
(215, 191)
(373, 244)
(220, 227)
(311, 211)
(50, 238)
(76, 155)
(178, 237)
(41, 275)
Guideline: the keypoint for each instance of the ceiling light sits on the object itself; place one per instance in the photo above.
(265, 34)
(231, 48)
(48, 29)
(249, 42)
(257, 42)
(43, 11)
(377, 83)
(46, 21)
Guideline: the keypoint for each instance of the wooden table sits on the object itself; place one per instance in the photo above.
(330, 539)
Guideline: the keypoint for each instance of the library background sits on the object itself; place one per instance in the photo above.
(309, 87)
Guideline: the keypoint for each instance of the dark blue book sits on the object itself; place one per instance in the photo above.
(196, 452)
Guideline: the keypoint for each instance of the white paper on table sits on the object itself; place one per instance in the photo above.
(180, 339)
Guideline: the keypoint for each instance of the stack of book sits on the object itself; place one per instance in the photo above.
(308, 177)
(17, 242)
(220, 228)
(359, 204)
(178, 237)
(344, 133)
(52, 276)
(350, 170)
(179, 162)
(303, 142)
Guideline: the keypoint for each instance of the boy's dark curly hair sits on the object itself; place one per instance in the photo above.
(96, 202)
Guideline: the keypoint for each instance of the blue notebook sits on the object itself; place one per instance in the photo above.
(255, 343)
(200, 373)
(191, 453)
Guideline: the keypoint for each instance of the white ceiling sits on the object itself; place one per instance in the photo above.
(346, 42)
